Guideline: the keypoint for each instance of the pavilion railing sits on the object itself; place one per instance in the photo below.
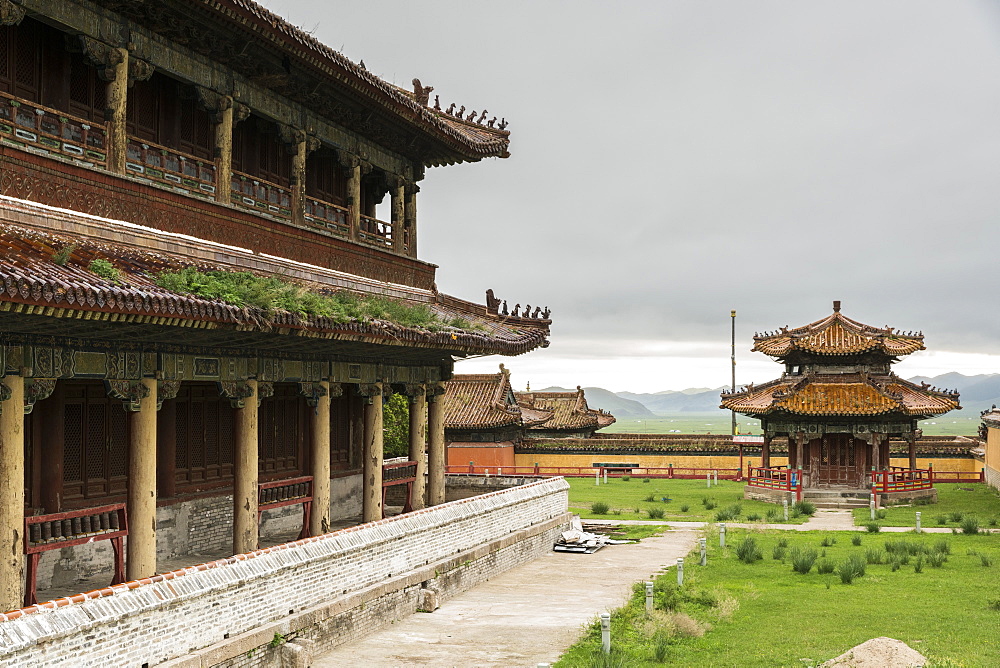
(330, 216)
(399, 473)
(677, 472)
(262, 196)
(957, 476)
(169, 167)
(779, 477)
(377, 232)
(897, 479)
(49, 131)
(59, 530)
(290, 492)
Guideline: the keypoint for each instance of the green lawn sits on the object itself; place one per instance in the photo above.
(965, 499)
(730, 613)
(624, 497)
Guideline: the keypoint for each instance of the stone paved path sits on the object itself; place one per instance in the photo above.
(524, 617)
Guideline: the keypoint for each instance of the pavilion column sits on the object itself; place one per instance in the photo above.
(418, 442)
(318, 396)
(410, 218)
(11, 490)
(397, 207)
(117, 67)
(371, 508)
(352, 166)
(876, 452)
(141, 504)
(435, 448)
(224, 152)
(765, 452)
(244, 398)
(911, 441)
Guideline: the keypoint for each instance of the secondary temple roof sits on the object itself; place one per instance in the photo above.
(480, 401)
(66, 299)
(837, 334)
(841, 394)
(569, 410)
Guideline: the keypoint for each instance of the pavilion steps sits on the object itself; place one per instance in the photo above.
(837, 497)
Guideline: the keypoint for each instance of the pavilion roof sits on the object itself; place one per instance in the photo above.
(991, 417)
(856, 395)
(569, 410)
(480, 401)
(59, 295)
(837, 334)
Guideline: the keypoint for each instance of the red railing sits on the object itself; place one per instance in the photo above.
(262, 196)
(671, 472)
(377, 232)
(330, 216)
(780, 478)
(172, 168)
(59, 530)
(290, 492)
(957, 476)
(898, 479)
(51, 131)
(399, 473)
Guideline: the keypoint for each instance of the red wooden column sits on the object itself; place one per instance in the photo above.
(911, 441)
(765, 452)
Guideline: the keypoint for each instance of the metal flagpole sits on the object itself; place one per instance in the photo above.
(732, 315)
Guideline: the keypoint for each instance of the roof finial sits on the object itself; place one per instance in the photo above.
(836, 306)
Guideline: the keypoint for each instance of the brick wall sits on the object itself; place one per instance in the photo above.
(222, 608)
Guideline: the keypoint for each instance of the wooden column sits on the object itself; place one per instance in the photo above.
(911, 441)
(371, 509)
(418, 442)
(410, 218)
(876, 454)
(397, 197)
(117, 96)
(224, 151)
(141, 505)
(319, 520)
(11, 490)
(299, 178)
(352, 166)
(245, 467)
(435, 450)
(53, 440)
(765, 452)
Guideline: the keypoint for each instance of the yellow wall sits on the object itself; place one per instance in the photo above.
(727, 461)
(993, 456)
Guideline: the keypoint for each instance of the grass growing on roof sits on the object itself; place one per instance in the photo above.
(271, 294)
(732, 613)
(956, 501)
(702, 503)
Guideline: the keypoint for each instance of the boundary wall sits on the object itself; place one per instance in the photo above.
(276, 606)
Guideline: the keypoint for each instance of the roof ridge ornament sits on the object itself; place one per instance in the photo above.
(836, 306)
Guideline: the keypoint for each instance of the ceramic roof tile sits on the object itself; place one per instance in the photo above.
(569, 410)
(480, 401)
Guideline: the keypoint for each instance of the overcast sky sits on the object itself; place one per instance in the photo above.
(671, 161)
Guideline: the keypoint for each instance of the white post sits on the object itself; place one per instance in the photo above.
(704, 552)
(605, 476)
(918, 521)
(597, 476)
(722, 534)
(500, 471)
(708, 480)
(680, 572)
(715, 474)
(649, 597)
(606, 632)
(871, 507)
(784, 505)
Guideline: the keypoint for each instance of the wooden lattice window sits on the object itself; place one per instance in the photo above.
(96, 442)
(340, 433)
(204, 434)
(324, 178)
(282, 430)
(259, 152)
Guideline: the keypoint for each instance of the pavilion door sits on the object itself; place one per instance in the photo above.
(838, 461)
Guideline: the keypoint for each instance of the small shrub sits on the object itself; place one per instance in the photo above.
(922, 501)
(993, 521)
(599, 508)
(873, 527)
(729, 514)
(104, 269)
(942, 519)
(936, 559)
(942, 546)
(62, 256)
(748, 551)
(851, 568)
(803, 559)
(970, 525)
(711, 505)
(856, 540)
(880, 514)
(829, 541)
(875, 556)
(655, 513)
(661, 648)
(772, 515)
(805, 508)
(685, 507)
(795, 514)
(753, 517)
(616, 511)
(993, 604)
(894, 565)
(782, 542)
(985, 560)
(778, 553)
(625, 478)
(824, 566)
(956, 517)
(650, 497)
(918, 565)
(645, 479)
(904, 547)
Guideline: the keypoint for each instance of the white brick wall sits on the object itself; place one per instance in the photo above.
(156, 620)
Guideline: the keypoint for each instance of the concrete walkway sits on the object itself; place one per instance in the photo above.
(527, 616)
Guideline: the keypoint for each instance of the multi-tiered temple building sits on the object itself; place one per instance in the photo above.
(139, 140)
(838, 401)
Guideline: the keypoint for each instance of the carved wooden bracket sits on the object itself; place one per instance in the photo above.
(139, 70)
(237, 391)
(166, 390)
(264, 390)
(129, 391)
(214, 102)
(241, 112)
(414, 390)
(104, 56)
(348, 160)
(312, 392)
(434, 390)
(336, 390)
(10, 14)
(37, 389)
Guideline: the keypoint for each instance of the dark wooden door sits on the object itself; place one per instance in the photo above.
(838, 461)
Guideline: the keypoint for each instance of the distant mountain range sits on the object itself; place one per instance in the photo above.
(977, 394)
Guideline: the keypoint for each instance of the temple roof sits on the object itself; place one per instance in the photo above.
(837, 334)
(480, 401)
(856, 395)
(991, 417)
(569, 410)
(278, 55)
(69, 299)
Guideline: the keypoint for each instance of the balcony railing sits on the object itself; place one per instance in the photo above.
(45, 130)
(377, 232)
(261, 196)
(326, 215)
(177, 170)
